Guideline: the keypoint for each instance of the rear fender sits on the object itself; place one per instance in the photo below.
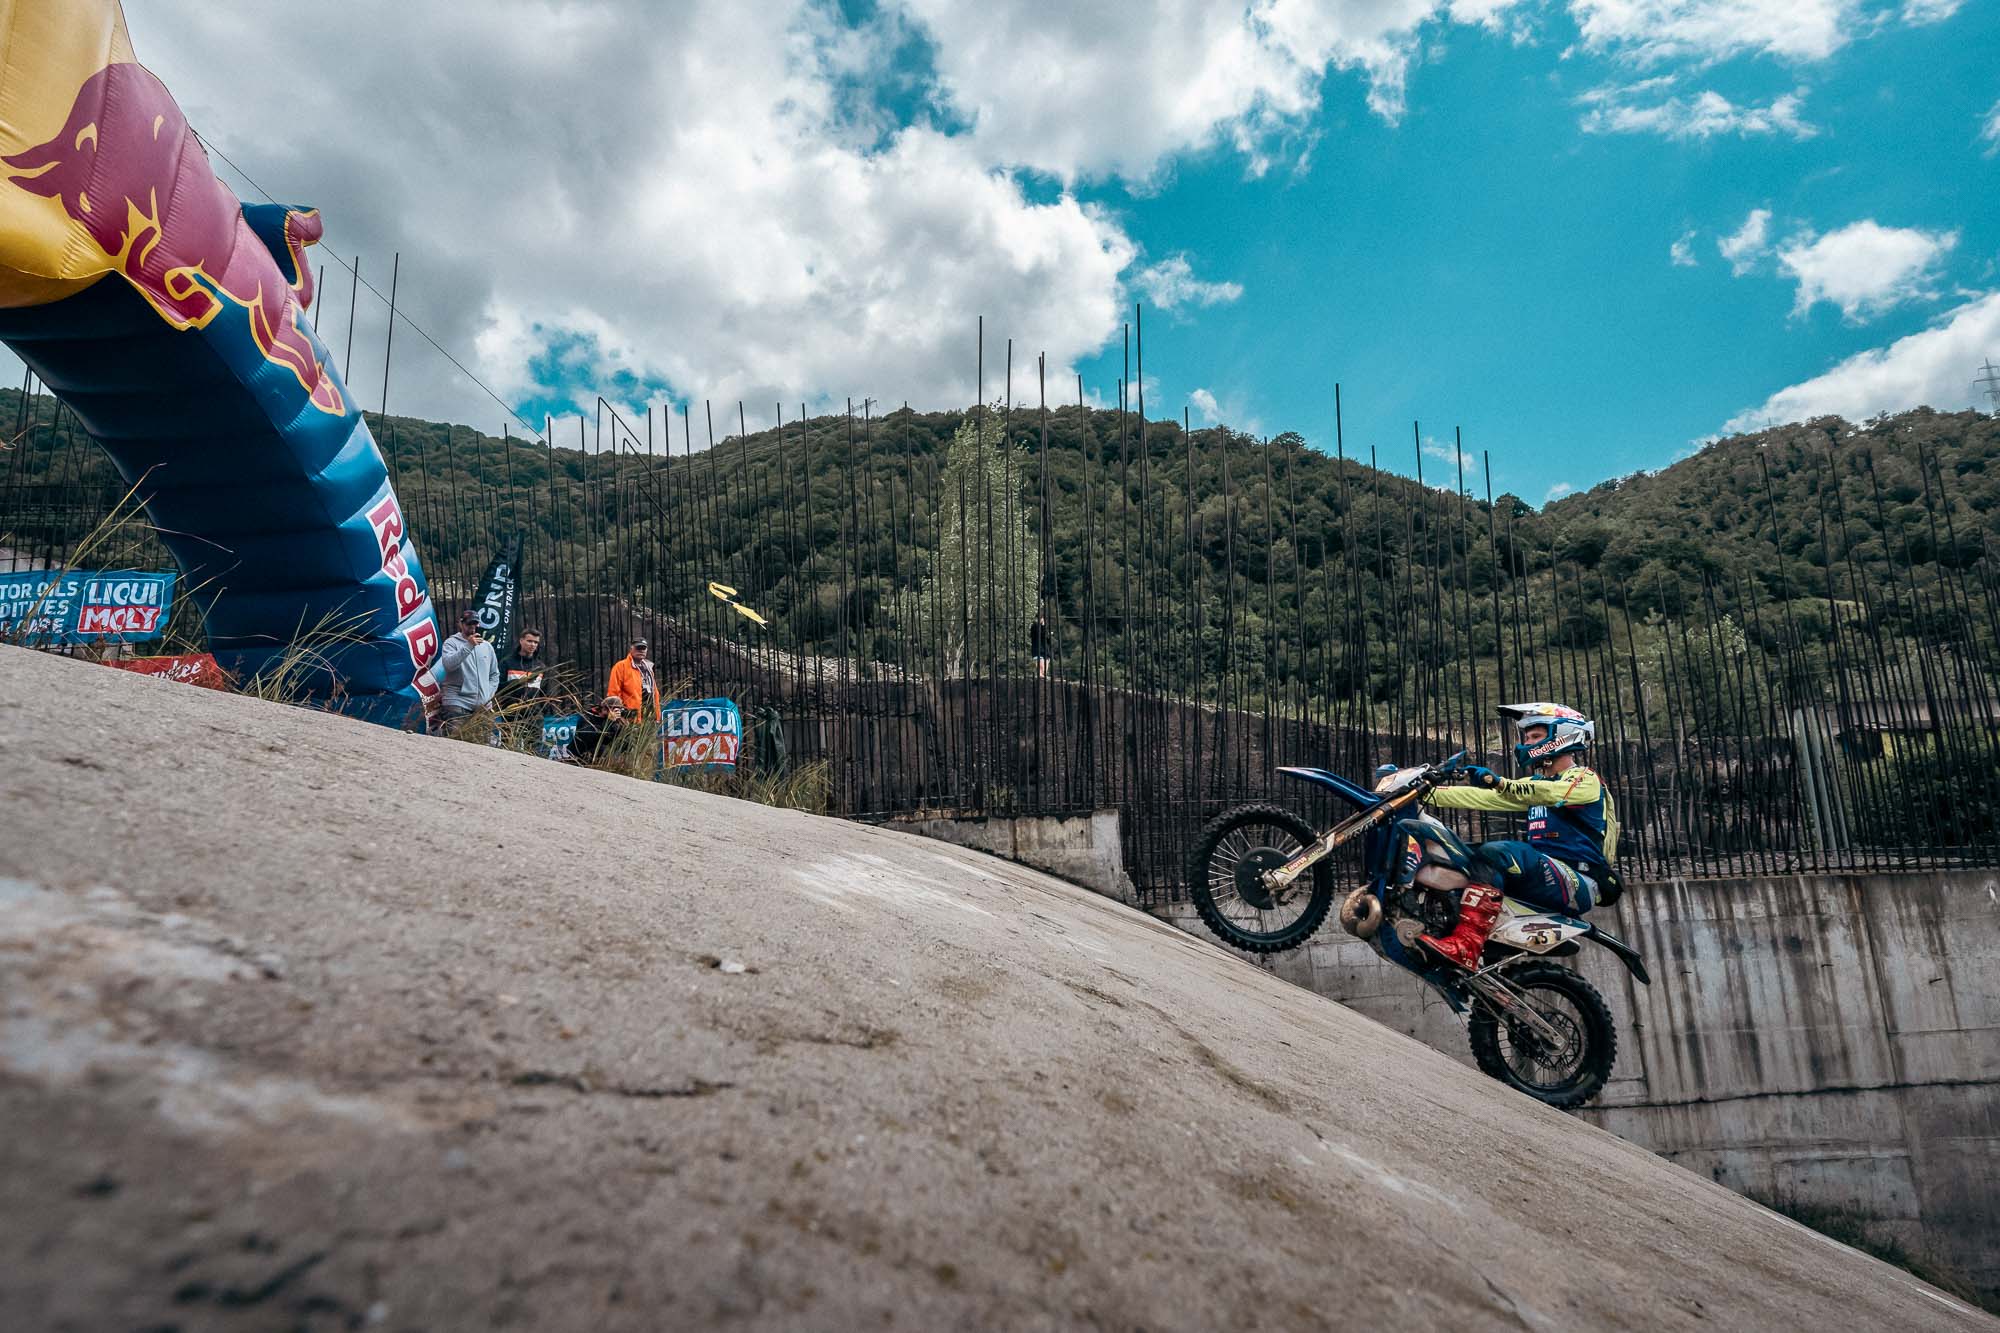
(1626, 953)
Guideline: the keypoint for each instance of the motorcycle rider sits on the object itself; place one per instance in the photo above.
(1565, 864)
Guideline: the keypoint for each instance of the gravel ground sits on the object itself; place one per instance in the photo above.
(309, 1024)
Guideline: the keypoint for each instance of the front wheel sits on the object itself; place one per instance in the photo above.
(1225, 879)
(1566, 1073)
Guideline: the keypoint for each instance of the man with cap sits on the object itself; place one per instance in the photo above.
(632, 681)
(468, 672)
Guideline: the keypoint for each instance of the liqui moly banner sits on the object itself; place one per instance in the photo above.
(76, 606)
(498, 602)
(701, 732)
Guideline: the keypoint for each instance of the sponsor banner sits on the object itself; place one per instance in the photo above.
(193, 668)
(108, 606)
(557, 733)
(498, 602)
(700, 733)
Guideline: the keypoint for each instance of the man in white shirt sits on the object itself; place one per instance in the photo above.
(468, 672)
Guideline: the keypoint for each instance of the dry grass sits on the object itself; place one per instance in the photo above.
(635, 753)
(296, 675)
(794, 787)
(289, 678)
(126, 512)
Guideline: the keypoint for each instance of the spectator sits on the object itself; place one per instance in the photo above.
(468, 672)
(522, 671)
(1038, 642)
(598, 729)
(632, 681)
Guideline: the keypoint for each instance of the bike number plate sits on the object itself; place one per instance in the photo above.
(1536, 934)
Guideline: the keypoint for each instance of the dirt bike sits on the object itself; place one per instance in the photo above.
(1261, 879)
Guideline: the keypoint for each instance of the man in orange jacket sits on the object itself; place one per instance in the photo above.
(632, 681)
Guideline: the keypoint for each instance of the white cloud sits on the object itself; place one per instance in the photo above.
(723, 212)
(1558, 491)
(1116, 90)
(1749, 243)
(1989, 130)
(1919, 12)
(1445, 451)
(1682, 251)
(1226, 410)
(1488, 14)
(736, 213)
(1613, 109)
(1933, 368)
(1172, 282)
(1649, 32)
(1865, 268)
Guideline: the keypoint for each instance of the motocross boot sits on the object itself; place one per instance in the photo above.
(1478, 909)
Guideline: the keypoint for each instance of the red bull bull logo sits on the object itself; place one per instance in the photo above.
(129, 171)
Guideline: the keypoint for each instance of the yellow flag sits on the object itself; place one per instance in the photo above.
(724, 593)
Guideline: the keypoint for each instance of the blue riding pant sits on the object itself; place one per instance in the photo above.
(1540, 880)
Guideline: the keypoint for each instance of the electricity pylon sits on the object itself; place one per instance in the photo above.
(1990, 381)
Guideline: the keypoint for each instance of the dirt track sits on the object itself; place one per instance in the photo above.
(312, 1024)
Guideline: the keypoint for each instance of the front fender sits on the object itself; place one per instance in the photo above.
(1358, 797)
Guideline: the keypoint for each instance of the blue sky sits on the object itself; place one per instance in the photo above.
(1486, 263)
(1592, 233)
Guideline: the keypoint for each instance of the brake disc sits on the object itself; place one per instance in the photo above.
(1250, 872)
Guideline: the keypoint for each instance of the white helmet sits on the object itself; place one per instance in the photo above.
(1568, 730)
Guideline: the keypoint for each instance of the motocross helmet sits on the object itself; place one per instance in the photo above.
(1568, 730)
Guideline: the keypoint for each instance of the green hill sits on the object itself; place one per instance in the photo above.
(1217, 565)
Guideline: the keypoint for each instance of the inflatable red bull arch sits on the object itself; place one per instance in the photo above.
(171, 319)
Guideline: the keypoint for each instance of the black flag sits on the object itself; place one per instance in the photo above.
(498, 603)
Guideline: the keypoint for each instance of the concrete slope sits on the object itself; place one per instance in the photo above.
(311, 1024)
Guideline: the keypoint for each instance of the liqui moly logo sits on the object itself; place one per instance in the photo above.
(121, 606)
(386, 519)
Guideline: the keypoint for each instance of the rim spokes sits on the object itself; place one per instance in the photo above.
(1238, 847)
(1533, 1059)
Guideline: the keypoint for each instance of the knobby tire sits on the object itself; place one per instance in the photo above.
(1277, 941)
(1600, 1036)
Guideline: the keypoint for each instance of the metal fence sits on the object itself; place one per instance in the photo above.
(1211, 607)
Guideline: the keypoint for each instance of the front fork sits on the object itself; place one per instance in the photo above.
(1280, 881)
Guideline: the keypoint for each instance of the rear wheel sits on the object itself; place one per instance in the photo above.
(1566, 1072)
(1225, 880)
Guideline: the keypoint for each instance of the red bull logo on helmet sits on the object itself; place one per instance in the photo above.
(128, 170)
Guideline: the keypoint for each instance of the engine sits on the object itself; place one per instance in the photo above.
(1416, 911)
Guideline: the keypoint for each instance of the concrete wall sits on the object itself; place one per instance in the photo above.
(1084, 849)
(1830, 1041)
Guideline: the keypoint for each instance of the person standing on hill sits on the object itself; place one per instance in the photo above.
(1038, 643)
(468, 672)
(522, 671)
(632, 681)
